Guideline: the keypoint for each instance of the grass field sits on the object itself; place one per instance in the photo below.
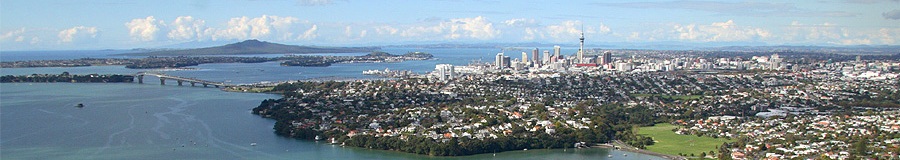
(667, 142)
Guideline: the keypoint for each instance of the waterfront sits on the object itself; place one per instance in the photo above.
(149, 121)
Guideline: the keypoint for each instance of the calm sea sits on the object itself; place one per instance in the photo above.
(150, 121)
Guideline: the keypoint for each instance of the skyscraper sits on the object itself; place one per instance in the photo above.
(607, 58)
(524, 57)
(499, 60)
(535, 57)
(556, 50)
(546, 58)
(505, 62)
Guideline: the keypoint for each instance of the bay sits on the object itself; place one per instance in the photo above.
(151, 121)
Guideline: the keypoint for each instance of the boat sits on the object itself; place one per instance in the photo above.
(80, 105)
(318, 138)
(253, 144)
(610, 156)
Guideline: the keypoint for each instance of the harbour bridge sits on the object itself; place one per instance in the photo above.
(179, 80)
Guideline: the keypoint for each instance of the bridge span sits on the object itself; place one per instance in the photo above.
(179, 80)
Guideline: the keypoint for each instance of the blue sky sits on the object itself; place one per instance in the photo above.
(100, 24)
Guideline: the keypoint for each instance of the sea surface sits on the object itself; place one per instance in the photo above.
(152, 121)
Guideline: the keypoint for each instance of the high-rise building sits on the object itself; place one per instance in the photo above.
(556, 51)
(505, 63)
(546, 58)
(524, 57)
(775, 62)
(498, 62)
(535, 57)
(445, 72)
(607, 58)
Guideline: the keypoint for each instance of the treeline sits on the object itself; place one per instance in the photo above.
(66, 77)
(459, 146)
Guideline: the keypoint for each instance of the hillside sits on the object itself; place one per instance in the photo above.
(254, 47)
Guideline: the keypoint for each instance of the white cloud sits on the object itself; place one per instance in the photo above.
(458, 28)
(726, 31)
(477, 28)
(17, 35)
(35, 40)
(309, 33)
(146, 29)
(187, 28)
(263, 27)
(348, 31)
(386, 30)
(888, 35)
(565, 30)
(28, 37)
(520, 22)
(815, 33)
(79, 34)
(422, 31)
(532, 34)
(603, 29)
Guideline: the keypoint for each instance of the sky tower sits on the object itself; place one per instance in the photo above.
(581, 50)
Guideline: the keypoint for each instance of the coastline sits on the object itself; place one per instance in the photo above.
(619, 145)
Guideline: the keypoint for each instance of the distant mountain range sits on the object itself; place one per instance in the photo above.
(253, 47)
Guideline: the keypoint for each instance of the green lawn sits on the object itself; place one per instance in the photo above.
(667, 142)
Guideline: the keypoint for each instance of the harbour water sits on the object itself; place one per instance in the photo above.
(151, 121)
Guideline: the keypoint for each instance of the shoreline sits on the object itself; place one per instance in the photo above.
(619, 145)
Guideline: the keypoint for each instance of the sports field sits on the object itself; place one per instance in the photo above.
(667, 142)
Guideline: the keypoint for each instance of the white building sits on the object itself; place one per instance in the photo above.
(444, 72)
(624, 67)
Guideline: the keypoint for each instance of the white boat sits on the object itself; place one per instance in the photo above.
(253, 144)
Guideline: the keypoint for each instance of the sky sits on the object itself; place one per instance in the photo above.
(125, 24)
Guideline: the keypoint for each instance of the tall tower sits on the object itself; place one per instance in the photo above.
(581, 50)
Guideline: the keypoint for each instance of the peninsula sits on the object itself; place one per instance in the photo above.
(66, 77)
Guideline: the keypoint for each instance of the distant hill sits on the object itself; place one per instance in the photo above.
(254, 47)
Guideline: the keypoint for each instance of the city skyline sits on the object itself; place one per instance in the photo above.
(50, 25)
